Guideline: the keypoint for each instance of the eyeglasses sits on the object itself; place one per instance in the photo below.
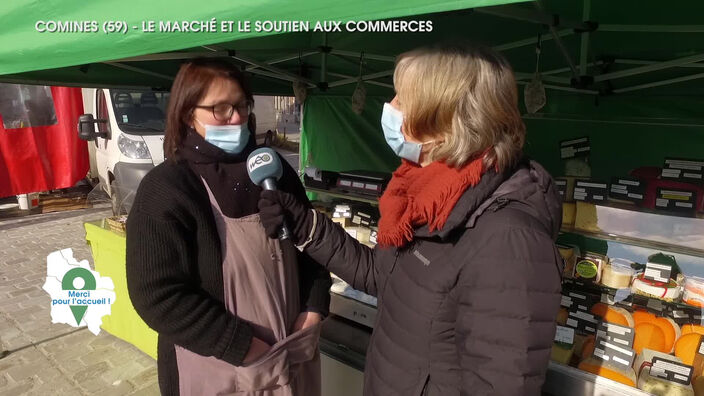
(223, 111)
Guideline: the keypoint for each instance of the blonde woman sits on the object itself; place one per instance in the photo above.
(466, 271)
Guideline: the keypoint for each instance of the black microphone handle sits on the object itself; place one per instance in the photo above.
(270, 184)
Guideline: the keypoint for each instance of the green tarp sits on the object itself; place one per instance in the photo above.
(638, 127)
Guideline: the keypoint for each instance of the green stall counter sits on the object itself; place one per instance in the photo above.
(108, 249)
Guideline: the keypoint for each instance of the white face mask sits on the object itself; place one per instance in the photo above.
(391, 122)
(232, 139)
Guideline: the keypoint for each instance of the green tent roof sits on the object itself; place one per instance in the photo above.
(623, 45)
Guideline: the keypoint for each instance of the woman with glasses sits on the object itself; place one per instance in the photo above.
(236, 311)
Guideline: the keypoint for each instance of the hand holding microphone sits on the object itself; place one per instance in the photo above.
(277, 208)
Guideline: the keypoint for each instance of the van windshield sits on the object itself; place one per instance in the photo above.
(140, 112)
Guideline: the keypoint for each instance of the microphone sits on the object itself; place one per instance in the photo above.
(264, 168)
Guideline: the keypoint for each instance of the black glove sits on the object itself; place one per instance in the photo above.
(275, 207)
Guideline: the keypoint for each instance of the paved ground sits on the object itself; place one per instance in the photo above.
(42, 358)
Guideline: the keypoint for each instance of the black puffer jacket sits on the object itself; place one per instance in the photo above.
(469, 309)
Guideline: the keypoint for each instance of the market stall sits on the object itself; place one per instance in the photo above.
(621, 119)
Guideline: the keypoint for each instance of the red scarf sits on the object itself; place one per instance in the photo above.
(417, 196)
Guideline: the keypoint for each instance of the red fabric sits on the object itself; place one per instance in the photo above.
(417, 196)
(45, 157)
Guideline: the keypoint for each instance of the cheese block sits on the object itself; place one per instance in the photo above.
(694, 292)
(589, 267)
(579, 341)
(664, 291)
(561, 353)
(698, 385)
(618, 273)
(686, 347)
(612, 314)
(588, 347)
(562, 316)
(643, 316)
(692, 328)
(569, 254)
(585, 217)
(649, 336)
(654, 385)
(600, 368)
(569, 213)
(671, 331)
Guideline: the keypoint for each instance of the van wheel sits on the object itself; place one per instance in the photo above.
(116, 200)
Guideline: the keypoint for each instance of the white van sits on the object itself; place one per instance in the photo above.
(128, 139)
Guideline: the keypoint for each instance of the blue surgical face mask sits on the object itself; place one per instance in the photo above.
(232, 139)
(391, 122)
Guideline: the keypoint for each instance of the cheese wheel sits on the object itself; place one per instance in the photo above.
(686, 347)
(692, 328)
(642, 316)
(562, 316)
(670, 329)
(613, 315)
(650, 336)
(595, 366)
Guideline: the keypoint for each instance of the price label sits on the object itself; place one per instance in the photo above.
(564, 335)
(671, 371)
(657, 272)
(620, 335)
(618, 355)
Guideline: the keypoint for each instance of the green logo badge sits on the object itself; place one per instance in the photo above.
(587, 269)
(78, 279)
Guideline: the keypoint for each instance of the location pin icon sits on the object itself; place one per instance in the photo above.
(69, 283)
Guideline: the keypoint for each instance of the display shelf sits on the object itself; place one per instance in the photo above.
(350, 196)
(633, 298)
(684, 235)
(633, 241)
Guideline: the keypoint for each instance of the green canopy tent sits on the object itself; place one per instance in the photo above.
(631, 67)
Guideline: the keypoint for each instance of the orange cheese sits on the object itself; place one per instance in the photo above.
(596, 366)
(650, 336)
(562, 316)
(613, 315)
(643, 316)
(692, 328)
(686, 347)
(670, 329)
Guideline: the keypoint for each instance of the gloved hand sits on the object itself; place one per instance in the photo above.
(275, 207)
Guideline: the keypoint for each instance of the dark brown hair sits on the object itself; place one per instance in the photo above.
(189, 87)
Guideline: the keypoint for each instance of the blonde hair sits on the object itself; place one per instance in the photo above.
(464, 97)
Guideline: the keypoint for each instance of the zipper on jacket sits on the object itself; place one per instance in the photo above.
(500, 203)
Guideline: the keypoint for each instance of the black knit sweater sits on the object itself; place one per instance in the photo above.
(174, 269)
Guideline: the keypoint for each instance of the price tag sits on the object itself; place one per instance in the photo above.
(620, 335)
(564, 335)
(655, 304)
(583, 322)
(574, 148)
(657, 272)
(671, 371)
(618, 355)
(566, 302)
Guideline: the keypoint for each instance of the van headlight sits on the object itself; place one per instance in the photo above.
(135, 149)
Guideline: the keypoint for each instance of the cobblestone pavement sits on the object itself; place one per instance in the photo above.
(41, 358)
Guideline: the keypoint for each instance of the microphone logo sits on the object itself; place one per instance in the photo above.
(259, 161)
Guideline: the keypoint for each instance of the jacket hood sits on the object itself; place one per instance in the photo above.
(528, 183)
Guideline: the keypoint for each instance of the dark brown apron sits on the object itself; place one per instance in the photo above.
(262, 289)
